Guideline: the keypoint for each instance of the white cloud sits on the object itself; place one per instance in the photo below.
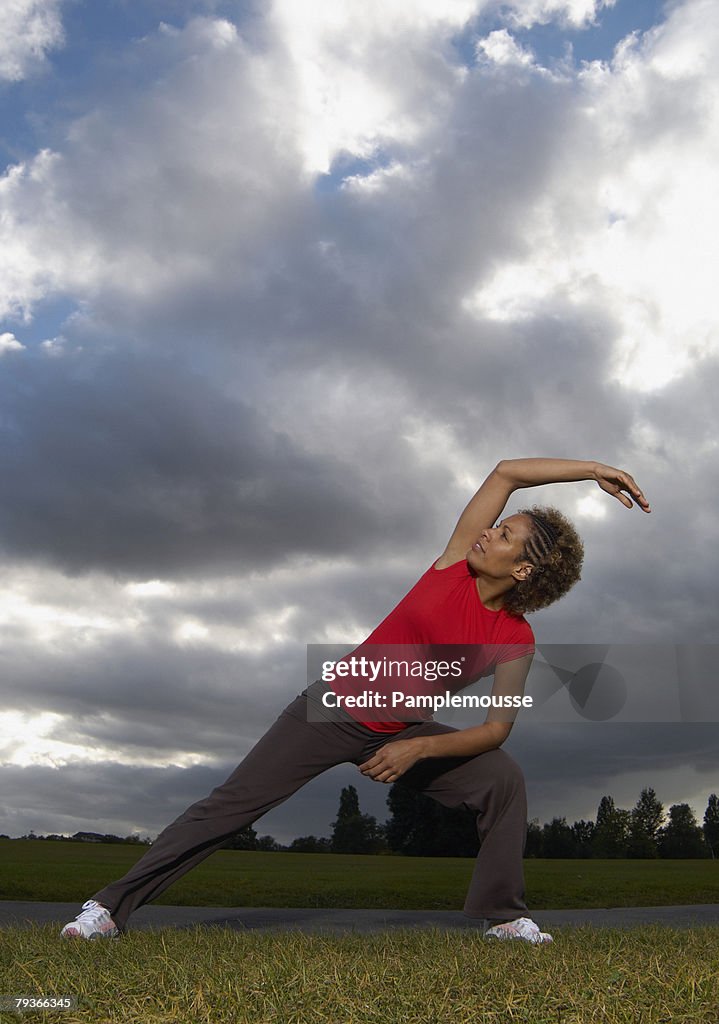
(53, 347)
(69, 621)
(160, 186)
(631, 219)
(577, 13)
(500, 47)
(592, 506)
(9, 343)
(149, 588)
(45, 246)
(367, 72)
(370, 73)
(28, 30)
(38, 739)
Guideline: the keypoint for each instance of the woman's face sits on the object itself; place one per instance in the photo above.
(497, 551)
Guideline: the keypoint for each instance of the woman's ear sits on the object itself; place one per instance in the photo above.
(523, 571)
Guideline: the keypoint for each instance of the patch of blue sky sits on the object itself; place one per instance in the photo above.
(554, 42)
(18, 139)
(48, 319)
(346, 165)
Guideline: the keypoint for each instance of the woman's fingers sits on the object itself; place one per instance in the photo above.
(634, 488)
(639, 494)
(381, 776)
(378, 771)
(616, 490)
(616, 481)
(375, 769)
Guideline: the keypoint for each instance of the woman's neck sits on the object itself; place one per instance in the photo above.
(491, 592)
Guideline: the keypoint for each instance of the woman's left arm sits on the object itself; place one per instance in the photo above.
(396, 757)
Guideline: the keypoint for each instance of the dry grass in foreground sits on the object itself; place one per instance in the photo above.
(655, 975)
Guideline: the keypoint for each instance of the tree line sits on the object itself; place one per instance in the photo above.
(644, 831)
(420, 827)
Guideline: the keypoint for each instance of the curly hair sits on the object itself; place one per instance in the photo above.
(556, 550)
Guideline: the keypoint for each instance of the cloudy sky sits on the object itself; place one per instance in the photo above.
(280, 282)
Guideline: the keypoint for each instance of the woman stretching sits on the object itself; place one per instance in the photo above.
(475, 595)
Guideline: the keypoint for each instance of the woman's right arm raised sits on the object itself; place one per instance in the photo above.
(482, 512)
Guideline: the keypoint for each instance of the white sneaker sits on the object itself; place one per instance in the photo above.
(523, 928)
(94, 922)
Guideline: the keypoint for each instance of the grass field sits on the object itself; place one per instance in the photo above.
(653, 975)
(66, 872)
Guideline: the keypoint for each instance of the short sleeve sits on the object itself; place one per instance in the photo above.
(517, 641)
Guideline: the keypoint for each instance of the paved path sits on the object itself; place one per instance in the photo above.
(14, 913)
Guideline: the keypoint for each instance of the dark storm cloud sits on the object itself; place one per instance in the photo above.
(140, 467)
(546, 751)
(146, 695)
(122, 799)
(677, 762)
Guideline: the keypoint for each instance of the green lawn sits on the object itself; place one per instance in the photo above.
(70, 872)
(650, 976)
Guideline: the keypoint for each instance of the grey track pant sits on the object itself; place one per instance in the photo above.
(291, 753)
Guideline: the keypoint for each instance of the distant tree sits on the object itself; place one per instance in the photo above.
(557, 839)
(310, 844)
(352, 831)
(135, 839)
(533, 844)
(605, 811)
(245, 839)
(85, 837)
(611, 832)
(421, 827)
(583, 832)
(681, 836)
(711, 824)
(268, 844)
(647, 817)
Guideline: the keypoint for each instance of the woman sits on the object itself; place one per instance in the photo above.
(476, 593)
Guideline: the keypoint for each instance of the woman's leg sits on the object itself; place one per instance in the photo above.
(492, 785)
(291, 753)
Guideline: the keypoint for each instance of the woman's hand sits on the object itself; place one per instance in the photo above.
(614, 481)
(393, 760)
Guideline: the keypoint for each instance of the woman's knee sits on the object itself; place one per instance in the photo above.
(496, 773)
(511, 770)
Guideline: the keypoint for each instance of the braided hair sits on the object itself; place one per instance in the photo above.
(556, 552)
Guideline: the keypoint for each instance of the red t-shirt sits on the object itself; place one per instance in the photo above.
(444, 608)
